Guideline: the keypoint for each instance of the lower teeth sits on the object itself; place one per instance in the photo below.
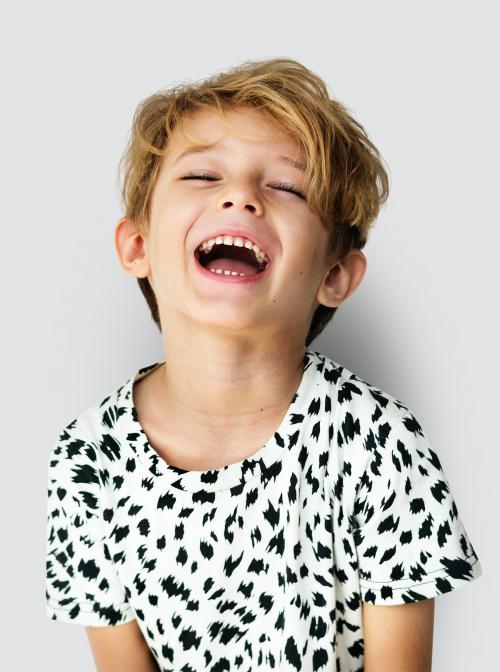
(220, 271)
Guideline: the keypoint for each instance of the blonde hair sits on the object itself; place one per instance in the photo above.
(346, 182)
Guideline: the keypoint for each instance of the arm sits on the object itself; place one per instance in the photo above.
(398, 638)
(120, 648)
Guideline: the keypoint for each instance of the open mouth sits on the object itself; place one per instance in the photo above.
(230, 260)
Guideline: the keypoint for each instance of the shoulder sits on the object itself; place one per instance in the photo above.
(356, 400)
(366, 422)
(74, 463)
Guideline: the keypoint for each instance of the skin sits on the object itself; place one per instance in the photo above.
(120, 648)
(235, 351)
(398, 637)
(245, 342)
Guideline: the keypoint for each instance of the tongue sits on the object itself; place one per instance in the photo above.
(232, 265)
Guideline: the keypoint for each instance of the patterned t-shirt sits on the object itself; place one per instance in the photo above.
(263, 563)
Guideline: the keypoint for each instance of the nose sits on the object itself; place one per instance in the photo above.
(244, 198)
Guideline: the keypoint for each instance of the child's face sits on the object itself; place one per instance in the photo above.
(243, 191)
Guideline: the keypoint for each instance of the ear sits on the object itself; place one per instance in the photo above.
(342, 279)
(131, 248)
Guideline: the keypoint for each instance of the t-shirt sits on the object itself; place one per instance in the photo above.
(263, 563)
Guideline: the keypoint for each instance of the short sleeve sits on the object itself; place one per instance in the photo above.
(82, 585)
(410, 541)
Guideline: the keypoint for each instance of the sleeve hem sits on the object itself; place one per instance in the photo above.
(438, 582)
(85, 617)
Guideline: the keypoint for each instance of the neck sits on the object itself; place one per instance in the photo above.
(225, 393)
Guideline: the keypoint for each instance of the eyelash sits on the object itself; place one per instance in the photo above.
(283, 185)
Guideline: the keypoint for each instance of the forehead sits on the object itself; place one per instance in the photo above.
(246, 127)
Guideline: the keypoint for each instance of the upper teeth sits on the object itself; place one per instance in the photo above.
(207, 245)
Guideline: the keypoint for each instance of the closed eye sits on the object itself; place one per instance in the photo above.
(280, 185)
(291, 189)
(196, 176)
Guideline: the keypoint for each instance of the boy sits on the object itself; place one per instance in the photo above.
(248, 502)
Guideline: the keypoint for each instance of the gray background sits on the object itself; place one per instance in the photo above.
(423, 80)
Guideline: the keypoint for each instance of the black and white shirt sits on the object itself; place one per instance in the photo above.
(263, 563)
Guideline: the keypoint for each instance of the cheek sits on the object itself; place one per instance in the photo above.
(304, 270)
(178, 217)
(301, 254)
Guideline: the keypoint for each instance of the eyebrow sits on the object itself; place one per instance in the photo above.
(202, 149)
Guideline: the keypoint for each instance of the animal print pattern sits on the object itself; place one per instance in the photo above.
(264, 563)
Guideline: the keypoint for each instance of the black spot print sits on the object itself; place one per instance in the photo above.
(264, 563)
